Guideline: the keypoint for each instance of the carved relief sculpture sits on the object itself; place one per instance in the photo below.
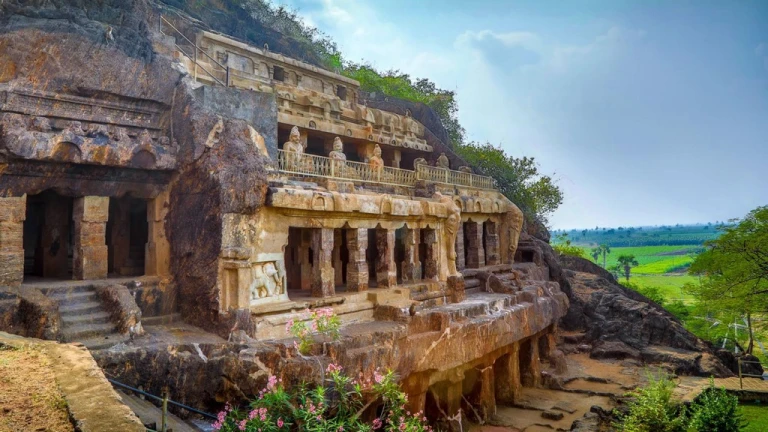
(376, 162)
(442, 162)
(267, 281)
(451, 230)
(294, 150)
(338, 150)
(419, 161)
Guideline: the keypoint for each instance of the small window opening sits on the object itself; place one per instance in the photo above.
(341, 92)
(278, 73)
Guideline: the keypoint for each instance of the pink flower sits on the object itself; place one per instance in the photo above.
(333, 368)
(217, 426)
(376, 423)
(280, 422)
(241, 425)
(288, 326)
(271, 382)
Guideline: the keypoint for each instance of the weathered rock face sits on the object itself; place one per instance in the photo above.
(621, 323)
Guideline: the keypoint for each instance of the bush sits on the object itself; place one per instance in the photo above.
(563, 246)
(715, 411)
(321, 321)
(652, 409)
(679, 310)
(334, 408)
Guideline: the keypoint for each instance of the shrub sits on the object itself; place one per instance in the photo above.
(563, 246)
(714, 410)
(334, 408)
(652, 409)
(321, 321)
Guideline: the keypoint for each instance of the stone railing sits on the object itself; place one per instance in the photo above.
(459, 178)
(321, 166)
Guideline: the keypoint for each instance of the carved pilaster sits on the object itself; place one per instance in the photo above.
(357, 267)
(475, 253)
(158, 249)
(12, 215)
(430, 258)
(491, 243)
(322, 270)
(411, 264)
(90, 216)
(386, 272)
(460, 263)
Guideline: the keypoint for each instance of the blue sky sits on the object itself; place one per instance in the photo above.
(647, 112)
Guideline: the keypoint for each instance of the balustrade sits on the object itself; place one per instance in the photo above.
(321, 166)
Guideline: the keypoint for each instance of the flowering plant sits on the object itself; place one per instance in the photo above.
(336, 407)
(319, 321)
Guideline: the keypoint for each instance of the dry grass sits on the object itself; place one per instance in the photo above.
(29, 397)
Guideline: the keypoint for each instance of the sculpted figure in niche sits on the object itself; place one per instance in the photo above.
(465, 169)
(376, 162)
(419, 161)
(451, 230)
(294, 149)
(442, 161)
(338, 150)
(267, 281)
(513, 221)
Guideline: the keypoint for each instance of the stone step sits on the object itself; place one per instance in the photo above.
(101, 342)
(473, 290)
(471, 283)
(161, 319)
(64, 290)
(80, 308)
(81, 332)
(75, 298)
(73, 319)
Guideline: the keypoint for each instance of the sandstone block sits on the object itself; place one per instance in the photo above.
(11, 268)
(92, 209)
(90, 262)
(13, 209)
(11, 236)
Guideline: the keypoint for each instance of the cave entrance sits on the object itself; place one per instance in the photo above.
(47, 236)
(127, 236)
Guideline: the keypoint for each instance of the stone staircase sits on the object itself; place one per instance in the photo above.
(83, 317)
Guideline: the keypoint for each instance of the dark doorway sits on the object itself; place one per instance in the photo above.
(127, 236)
(47, 236)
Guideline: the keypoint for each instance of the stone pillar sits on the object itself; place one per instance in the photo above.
(119, 235)
(322, 270)
(90, 216)
(13, 211)
(338, 266)
(411, 264)
(386, 272)
(431, 264)
(55, 238)
(491, 243)
(396, 158)
(475, 253)
(484, 397)
(507, 376)
(357, 267)
(305, 263)
(532, 376)
(453, 395)
(157, 257)
(460, 264)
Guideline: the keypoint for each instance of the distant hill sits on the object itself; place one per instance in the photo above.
(666, 235)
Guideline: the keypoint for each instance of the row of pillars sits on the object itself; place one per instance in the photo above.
(89, 250)
(500, 381)
(477, 245)
(323, 272)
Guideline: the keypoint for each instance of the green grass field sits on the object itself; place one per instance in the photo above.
(652, 259)
(757, 416)
(669, 285)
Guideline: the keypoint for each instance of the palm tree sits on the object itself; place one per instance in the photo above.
(595, 252)
(605, 250)
(627, 261)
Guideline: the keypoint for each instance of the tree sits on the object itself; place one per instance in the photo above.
(604, 251)
(562, 245)
(595, 253)
(734, 270)
(518, 179)
(584, 234)
(627, 262)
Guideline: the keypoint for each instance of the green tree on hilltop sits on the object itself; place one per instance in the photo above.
(627, 262)
(734, 270)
